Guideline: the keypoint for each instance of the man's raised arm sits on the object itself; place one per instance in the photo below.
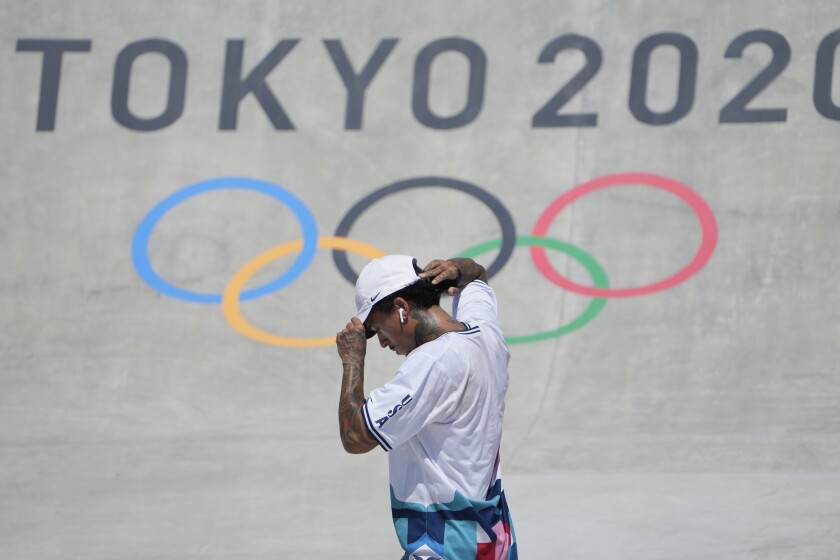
(352, 345)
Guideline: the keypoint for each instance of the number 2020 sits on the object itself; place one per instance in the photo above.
(735, 111)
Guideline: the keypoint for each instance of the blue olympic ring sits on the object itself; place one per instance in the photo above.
(140, 243)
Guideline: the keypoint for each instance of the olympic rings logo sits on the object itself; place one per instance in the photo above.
(340, 243)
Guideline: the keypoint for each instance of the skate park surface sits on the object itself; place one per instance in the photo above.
(682, 158)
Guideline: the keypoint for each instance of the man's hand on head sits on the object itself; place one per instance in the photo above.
(460, 272)
(351, 342)
(439, 271)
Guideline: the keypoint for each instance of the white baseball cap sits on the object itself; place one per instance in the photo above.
(380, 278)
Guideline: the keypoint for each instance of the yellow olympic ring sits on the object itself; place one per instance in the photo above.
(230, 297)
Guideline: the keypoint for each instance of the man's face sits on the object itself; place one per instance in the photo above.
(391, 333)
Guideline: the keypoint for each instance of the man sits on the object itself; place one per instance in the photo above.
(440, 417)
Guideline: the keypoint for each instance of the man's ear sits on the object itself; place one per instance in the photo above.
(402, 303)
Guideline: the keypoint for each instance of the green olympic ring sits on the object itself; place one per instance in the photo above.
(596, 271)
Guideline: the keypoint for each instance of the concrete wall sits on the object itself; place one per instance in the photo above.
(136, 424)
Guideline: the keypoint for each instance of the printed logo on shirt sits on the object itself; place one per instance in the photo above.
(406, 399)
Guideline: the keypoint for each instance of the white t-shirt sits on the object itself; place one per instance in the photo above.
(440, 420)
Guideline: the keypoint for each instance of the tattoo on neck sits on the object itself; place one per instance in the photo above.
(427, 328)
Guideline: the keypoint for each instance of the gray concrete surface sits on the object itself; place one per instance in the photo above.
(699, 421)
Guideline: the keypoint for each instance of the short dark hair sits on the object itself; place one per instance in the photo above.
(422, 293)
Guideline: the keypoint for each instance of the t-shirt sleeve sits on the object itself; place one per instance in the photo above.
(420, 393)
(476, 302)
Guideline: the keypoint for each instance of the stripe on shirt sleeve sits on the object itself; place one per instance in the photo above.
(373, 431)
(471, 329)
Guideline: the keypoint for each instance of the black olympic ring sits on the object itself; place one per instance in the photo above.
(502, 215)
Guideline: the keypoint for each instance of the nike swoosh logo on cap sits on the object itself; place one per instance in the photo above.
(376, 296)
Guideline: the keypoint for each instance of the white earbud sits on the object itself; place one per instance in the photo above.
(402, 315)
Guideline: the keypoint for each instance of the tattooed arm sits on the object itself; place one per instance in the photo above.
(352, 345)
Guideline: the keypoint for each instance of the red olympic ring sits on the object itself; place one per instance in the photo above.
(708, 226)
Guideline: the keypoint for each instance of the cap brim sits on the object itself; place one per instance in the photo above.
(363, 317)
